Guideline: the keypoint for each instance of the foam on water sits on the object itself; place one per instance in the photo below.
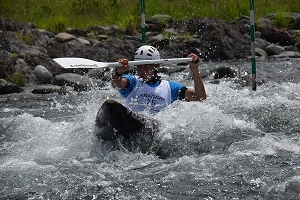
(213, 120)
(236, 144)
(32, 138)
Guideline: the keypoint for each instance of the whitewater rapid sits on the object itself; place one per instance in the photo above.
(238, 143)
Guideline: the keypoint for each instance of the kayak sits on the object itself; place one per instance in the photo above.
(114, 120)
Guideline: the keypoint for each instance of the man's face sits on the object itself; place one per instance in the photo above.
(146, 72)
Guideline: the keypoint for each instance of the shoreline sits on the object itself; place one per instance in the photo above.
(23, 47)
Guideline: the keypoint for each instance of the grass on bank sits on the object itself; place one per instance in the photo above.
(58, 15)
(17, 78)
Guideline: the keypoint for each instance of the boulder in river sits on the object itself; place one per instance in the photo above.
(43, 74)
(78, 82)
(8, 88)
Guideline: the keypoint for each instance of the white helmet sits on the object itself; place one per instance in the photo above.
(147, 52)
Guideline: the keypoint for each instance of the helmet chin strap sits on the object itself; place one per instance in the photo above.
(155, 77)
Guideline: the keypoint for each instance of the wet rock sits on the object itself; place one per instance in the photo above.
(10, 25)
(112, 30)
(242, 20)
(260, 52)
(102, 37)
(274, 50)
(224, 72)
(77, 32)
(257, 34)
(8, 88)
(159, 41)
(46, 34)
(158, 22)
(91, 35)
(132, 38)
(156, 38)
(84, 41)
(290, 48)
(49, 89)
(261, 43)
(78, 82)
(274, 34)
(43, 74)
(291, 54)
(21, 66)
(76, 42)
(64, 37)
(10, 42)
(6, 63)
(219, 39)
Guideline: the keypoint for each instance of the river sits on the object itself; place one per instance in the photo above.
(238, 144)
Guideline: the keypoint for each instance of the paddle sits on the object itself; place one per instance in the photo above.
(71, 62)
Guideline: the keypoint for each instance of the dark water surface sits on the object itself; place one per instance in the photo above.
(238, 144)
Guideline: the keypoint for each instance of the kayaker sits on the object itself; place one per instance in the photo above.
(147, 91)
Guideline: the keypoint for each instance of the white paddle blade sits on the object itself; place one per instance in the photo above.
(76, 63)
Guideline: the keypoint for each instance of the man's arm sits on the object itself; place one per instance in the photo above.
(199, 93)
(117, 80)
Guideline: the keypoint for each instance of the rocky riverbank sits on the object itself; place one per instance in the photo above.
(26, 52)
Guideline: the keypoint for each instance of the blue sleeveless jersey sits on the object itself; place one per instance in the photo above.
(174, 86)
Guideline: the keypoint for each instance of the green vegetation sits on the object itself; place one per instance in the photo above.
(57, 15)
(17, 78)
(14, 55)
(27, 38)
(283, 20)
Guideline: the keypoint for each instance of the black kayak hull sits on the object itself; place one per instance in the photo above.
(114, 120)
